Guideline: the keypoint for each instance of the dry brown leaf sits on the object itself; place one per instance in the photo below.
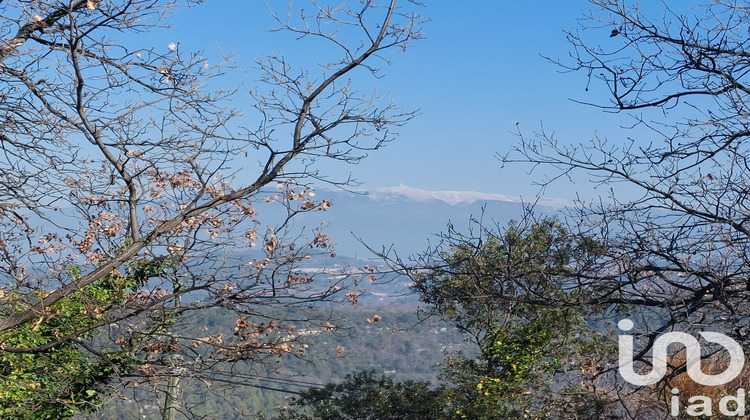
(375, 318)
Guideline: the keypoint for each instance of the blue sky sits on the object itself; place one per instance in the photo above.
(477, 74)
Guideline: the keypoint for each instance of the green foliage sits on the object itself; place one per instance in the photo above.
(491, 388)
(480, 280)
(363, 396)
(55, 377)
(491, 289)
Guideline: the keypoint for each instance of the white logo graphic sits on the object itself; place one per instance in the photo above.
(693, 357)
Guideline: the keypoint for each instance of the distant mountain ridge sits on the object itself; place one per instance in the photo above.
(458, 197)
(410, 218)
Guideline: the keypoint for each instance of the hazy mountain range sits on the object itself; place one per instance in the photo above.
(409, 218)
(404, 192)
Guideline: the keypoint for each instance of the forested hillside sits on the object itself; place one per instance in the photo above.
(398, 344)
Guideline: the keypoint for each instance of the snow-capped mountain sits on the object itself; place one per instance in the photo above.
(409, 219)
(458, 197)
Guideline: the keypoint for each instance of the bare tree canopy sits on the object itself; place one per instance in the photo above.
(679, 242)
(676, 237)
(124, 168)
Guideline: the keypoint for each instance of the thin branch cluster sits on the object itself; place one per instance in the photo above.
(122, 167)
